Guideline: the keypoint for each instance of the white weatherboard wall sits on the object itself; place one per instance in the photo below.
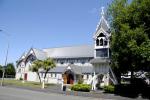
(18, 76)
(52, 80)
(32, 76)
(56, 78)
(101, 68)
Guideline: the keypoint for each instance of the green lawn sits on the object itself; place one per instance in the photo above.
(25, 84)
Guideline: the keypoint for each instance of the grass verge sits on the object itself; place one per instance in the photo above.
(25, 84)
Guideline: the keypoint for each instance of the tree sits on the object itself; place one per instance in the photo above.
(10, 69)
(1, 71)
(130, 43)
(47, 65)
(37, 64)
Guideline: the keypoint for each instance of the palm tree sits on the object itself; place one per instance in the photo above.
(47, 65)
(37, 64)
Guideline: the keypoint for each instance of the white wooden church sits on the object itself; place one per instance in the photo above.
(92, 62)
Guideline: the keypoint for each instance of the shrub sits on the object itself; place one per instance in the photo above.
(136, 88)
(81, 87)
(145, 92)
(127, 90)
(109, 89)
(20, 79)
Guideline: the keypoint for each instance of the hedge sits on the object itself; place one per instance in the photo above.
(109, 89)
(81, 87)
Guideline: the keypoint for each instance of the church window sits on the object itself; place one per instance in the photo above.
(97, 42)
(105, 42)
(101, 42)
(87, 76)
(102, 52)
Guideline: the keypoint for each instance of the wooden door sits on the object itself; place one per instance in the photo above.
(25, 76)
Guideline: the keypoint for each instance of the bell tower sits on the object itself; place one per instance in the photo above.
(101, 61)
(101, 38)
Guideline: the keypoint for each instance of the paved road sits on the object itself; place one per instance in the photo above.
(7, 93)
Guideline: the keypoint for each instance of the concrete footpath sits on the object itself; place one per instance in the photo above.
(94, 94)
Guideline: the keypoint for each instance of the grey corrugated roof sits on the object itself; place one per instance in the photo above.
(65, 52)
(22, 56)
(71, 52)
(87, 69)
(74, 68)
(100, 60)
(40, 54)
(58, 69)
(103, 24)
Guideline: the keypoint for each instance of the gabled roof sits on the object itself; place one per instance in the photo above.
(22, 56)
(40, 54)
(62, 52)
(102, 25)
(74, 68)
(71, 52)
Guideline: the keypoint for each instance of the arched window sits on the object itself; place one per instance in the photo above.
(97, 42)
(101, 42)
(105, 42)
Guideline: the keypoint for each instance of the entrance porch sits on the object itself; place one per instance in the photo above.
(72, 74)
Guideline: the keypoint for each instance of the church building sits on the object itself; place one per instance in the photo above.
(91, 63)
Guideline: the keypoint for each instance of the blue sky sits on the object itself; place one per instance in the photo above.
(46, 23)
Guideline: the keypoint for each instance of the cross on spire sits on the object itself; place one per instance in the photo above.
(102, 12)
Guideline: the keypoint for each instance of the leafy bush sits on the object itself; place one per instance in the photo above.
(20, 79)
(145, 92)
(109, 89)
(133, 90)
(81, 87)
(127, 90)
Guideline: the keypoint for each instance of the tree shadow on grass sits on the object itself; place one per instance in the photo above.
(37, 84)
(134, 90)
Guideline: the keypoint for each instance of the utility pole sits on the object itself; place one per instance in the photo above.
(5, 66)
(5, 63)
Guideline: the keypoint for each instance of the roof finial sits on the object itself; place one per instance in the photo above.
(102, 13)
